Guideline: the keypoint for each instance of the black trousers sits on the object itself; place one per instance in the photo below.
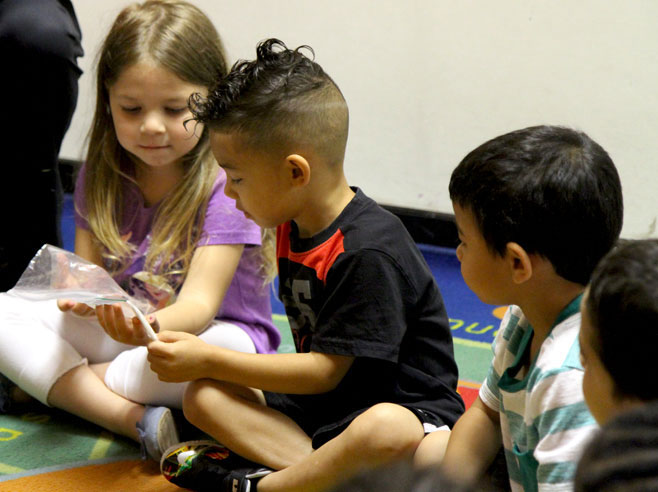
(39, 47)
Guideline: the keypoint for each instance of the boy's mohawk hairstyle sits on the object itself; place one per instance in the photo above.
(276, 70)
(282, 100)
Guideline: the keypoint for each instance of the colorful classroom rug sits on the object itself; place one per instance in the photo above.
(43, 449)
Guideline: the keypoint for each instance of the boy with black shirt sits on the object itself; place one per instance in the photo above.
(375, 368)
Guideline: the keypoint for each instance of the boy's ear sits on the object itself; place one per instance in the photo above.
(519, 262)
(299, 169)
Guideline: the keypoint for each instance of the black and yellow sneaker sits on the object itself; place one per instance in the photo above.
(207, 465)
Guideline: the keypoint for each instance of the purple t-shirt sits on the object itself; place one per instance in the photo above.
(247, 301)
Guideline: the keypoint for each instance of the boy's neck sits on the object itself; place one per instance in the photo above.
(322, 208)
(544, 303)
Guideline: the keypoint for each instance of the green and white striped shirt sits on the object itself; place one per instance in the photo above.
(544, 419)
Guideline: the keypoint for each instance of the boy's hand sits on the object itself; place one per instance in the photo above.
(79, 309)
(120, 328)
(178, 356)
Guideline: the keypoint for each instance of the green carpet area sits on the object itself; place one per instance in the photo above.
(42, 437)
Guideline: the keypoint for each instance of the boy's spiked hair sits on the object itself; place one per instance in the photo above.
(622, 304)
(281, 101)
(552, 190)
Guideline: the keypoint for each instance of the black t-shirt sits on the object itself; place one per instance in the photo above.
(362, 288)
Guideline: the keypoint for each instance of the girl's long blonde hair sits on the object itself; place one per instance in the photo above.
(179, 37)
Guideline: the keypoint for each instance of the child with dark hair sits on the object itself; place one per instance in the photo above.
(375, 368)
(618, 336)
(536, 209)
(619, 330)
(623, 457)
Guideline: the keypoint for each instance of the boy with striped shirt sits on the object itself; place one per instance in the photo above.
(536, 209)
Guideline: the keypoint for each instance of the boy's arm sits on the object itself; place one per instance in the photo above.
(183, 357)
(473, 444)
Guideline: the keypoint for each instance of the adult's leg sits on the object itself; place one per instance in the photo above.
(39, 46)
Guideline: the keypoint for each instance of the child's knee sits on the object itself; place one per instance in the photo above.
(386, 431)
(203, 397)
(432, 448)
(196, 397)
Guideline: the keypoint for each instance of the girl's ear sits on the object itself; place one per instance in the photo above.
(299, 170)
(519, 263)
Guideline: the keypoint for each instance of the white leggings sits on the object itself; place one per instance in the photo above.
(39, 344)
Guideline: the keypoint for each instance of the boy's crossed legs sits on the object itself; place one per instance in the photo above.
(239, 419)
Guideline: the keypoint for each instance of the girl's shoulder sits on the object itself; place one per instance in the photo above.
(224, 223)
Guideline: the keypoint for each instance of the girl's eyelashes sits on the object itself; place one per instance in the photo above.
(137, 109)
(176, 110)
(130, 109)
(235, 180)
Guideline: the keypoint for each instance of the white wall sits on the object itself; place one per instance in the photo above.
(428, 80)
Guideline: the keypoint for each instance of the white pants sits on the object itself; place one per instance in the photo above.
(39, 344)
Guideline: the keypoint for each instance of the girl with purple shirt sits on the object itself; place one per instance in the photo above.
(150, 209)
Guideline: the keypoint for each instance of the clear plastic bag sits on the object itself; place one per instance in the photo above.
(55, 273)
